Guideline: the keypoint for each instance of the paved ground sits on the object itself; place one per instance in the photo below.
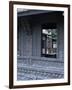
(39, 70)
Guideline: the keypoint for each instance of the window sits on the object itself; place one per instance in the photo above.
(49, 40)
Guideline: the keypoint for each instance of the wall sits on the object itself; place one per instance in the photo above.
(24, 37)
(4, 45)
(61, 41)
(30, 33)
(38, 21)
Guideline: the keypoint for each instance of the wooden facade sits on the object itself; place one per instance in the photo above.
(31, 64)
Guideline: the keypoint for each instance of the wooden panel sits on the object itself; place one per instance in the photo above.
(24, 40)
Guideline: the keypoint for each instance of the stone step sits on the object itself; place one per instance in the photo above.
(33, 68)
(41, 63)
(34, 73)
(41, 68)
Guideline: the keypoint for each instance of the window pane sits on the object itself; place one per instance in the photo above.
(43, 50)
(44, 31)
(49, 41)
